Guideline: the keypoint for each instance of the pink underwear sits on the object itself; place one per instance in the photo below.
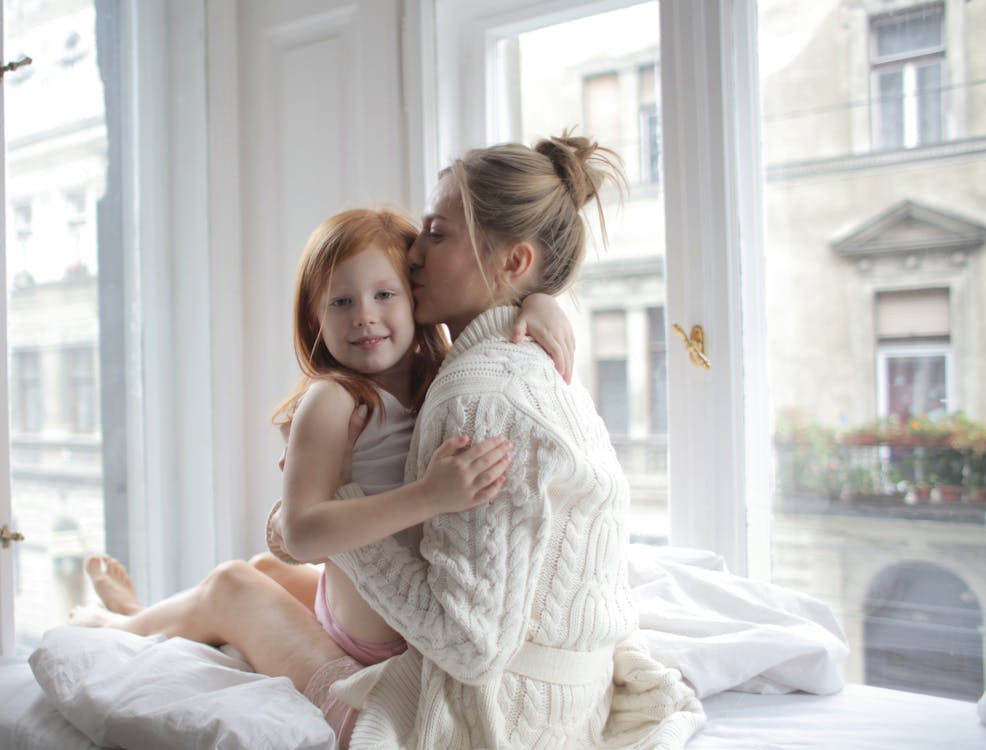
(364, 652)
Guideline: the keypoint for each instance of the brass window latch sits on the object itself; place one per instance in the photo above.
(7, 536)
(695, 344)
(12, 66)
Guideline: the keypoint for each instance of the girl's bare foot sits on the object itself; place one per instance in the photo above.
(113, 584)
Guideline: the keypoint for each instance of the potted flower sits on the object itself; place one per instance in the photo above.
(945, 467)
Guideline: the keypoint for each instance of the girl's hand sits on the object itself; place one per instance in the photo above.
(460, 477)
(542, 318)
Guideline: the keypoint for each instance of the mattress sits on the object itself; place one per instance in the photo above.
(857, 718)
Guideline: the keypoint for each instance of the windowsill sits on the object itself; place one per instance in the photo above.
(886, 158)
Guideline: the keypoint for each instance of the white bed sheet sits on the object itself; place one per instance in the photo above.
(859, 717)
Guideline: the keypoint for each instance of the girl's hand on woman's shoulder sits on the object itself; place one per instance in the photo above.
(461, 476)
(542, 318)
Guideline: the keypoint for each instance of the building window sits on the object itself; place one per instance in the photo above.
(26, 397)
(650, 123)
(80, 389)
(913, 353)
(907, 73)
(610, 354)
(658, 367)
(23, 219)
(601, 99)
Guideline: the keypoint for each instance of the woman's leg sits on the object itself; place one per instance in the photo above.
(239, 605)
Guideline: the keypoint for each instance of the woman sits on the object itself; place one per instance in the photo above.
(518, 613)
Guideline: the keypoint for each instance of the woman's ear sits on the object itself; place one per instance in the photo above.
(519, 262)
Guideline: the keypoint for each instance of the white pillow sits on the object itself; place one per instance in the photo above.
(124, 690)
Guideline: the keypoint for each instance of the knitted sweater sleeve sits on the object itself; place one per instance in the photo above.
(462, 597)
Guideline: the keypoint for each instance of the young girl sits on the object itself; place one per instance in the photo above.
(357, 344)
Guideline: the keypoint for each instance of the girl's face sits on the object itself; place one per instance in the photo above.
(446, 280)
(367, 317)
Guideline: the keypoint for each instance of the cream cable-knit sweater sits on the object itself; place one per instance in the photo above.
(544, 562)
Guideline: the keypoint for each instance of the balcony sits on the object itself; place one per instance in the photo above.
(929, 470)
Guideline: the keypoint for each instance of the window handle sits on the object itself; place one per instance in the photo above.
(7, 536)
(695, 344)
(12, 66)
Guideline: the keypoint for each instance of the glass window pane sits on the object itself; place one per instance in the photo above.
(909, 34)
(918, 387)
(877, 370)
(573, 75)
(56, 153)
(929, 93)
(890, 109)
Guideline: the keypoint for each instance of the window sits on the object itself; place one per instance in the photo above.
(570, 74)
(913, 354)
(650, 123)
(80, 389)
(609, 345)
(874, 281)
(658, 370)
(907, 59)
(603, 106)
(58, 147)
(26, 401)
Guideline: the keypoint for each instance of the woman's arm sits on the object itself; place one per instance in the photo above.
(312, 527)
(542, 318)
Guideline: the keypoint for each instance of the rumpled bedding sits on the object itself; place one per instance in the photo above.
(722, 632)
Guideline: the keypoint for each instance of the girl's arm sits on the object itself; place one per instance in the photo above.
(542, 318)
(461, 596)
(313, 527)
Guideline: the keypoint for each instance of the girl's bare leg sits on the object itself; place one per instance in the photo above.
(239, 605)
(301, 581)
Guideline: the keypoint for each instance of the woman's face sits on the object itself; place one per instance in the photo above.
(366, 319)
(446, 280)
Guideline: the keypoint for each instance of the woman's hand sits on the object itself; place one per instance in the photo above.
(542, 318)
(459, 477)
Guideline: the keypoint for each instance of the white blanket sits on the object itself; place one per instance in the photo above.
(725, 632)
(721, 631)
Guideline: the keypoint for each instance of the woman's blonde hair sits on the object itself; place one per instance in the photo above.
(333, 241)
(514, 193)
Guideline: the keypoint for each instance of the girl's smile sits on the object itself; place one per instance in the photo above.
(367, 318)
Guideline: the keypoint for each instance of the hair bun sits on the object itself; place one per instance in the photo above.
(581, 164)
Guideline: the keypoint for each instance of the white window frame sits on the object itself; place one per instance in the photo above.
(719, 471)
